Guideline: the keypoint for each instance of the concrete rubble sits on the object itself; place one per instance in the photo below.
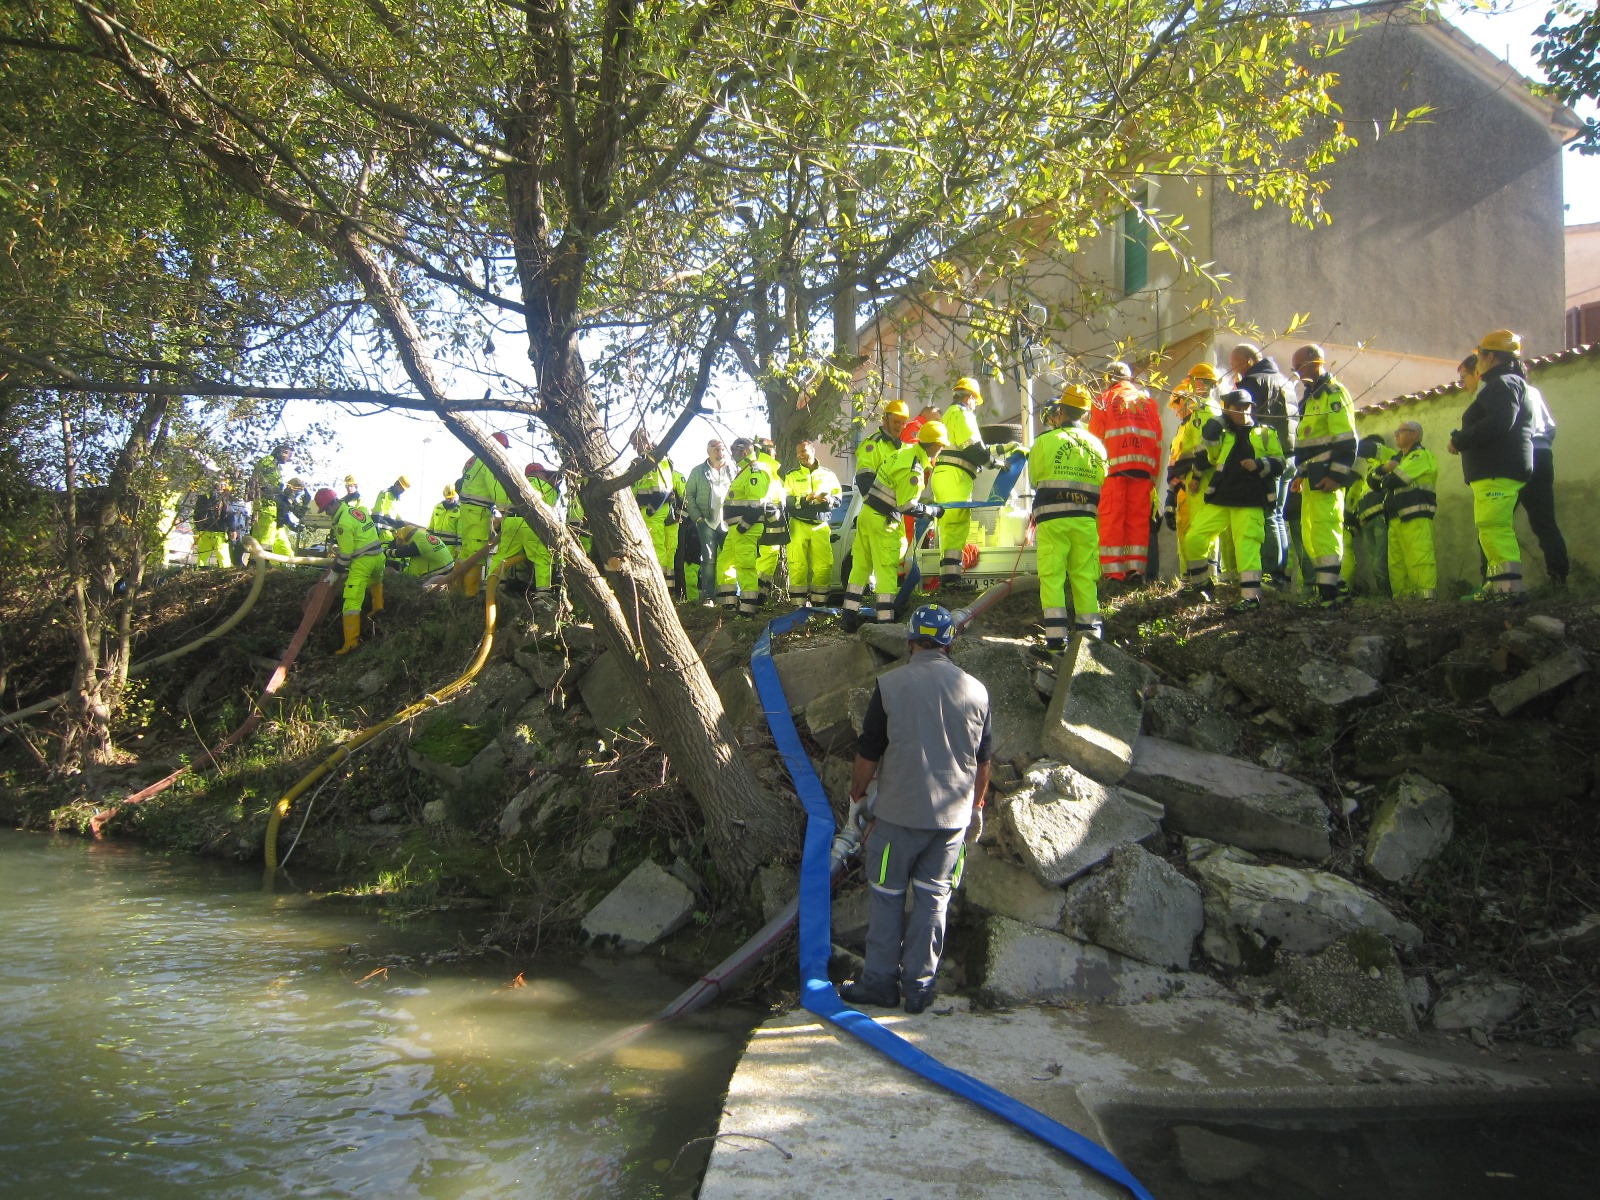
(1478, 1004)
(1061, 823)
(1316, 693)
(1023, 964)
(1096, 709)
(612, 701)
(1581, 938)
(1372, 654)
(835, 718)
(1253, 907)
(1179, 716)
(1539, 680)
(823, 664)
(992, 883)
(1230, 800)
(1016, 712)
(1411, 827)
(595, 854)
(1140, 906)
(641, 910)
(1355, 983)
(1494, 763)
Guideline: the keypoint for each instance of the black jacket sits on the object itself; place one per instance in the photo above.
(1495, 438)
(1264, 383)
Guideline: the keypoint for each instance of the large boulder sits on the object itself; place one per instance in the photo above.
(992, 883)
(1354, 983)
(1230, 800)
(1315, 693)
(1022, 964)
(1413, 824)
(1180, 716)
(835, 718)
(1016, 711)
(500, 690)
(1490, 762)
(1138, 905)
(814, 666)
(641, 910)
(1253, 908)
(1096, 709)
(1061, 822)
(888, 640)
(1478, 1004)
(1370, 652)
(610, 697)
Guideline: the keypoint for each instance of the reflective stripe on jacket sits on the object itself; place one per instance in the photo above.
(1067, 467)
(1128, 423)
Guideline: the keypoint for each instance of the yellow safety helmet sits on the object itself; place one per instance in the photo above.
(1203, 371)
(1502, 341)
(405, 533)
(449, 492)
(896, 408)
(1075, 395)
(403, 481)
(933, 433)
(970, 386)
(350, 482)
(297, 483)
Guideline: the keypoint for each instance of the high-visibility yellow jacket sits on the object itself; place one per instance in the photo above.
(480, 488)
(1067, 466)
(967, 451)
(1408, 490)
(871, 454)
(802, 484)
(444, 522)
(1325, 442)
(900, 481)
(354, 533)
(755, 494)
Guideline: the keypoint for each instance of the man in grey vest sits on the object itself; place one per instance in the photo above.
(926, 737)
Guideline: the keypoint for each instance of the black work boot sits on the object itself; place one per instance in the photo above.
(856, 992)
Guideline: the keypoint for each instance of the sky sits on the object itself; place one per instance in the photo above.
(377, 448)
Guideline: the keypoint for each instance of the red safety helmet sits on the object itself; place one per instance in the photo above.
(502, 439)
(535, 470)
(325, 499)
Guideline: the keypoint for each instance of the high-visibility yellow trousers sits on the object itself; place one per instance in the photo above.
(879, 546)
(518, 543)
(1493, 503)
(951, 484)
(810, 560)
(208, 545)
(1413, 570)
(1245, 529)
(1067, 550)
(1322, 532)
(736, 569)
(359, 575)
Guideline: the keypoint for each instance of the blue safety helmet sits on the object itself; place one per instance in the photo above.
(933, 622)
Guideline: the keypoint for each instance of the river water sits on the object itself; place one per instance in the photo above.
(169, 1029)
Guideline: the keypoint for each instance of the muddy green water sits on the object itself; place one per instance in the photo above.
(169, 1029)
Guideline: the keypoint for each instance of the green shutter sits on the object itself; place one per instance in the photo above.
(1135, 251)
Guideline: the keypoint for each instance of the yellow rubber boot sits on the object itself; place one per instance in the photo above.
(376, 591)
(352, 632)
(470, 582)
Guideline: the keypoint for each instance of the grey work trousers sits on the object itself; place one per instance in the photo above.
(928, 861)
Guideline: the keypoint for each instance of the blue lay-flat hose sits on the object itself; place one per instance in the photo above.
(817, 994)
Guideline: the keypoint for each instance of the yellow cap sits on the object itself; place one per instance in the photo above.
(350, 482)
(933, 433)
(896, 408)
(969, 385)
(403, 481)
(1203, 371)
(449, 492)
(1502, 340)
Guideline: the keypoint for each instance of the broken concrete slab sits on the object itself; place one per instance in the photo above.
(1546, 626)
(1015, 709)
(1489, 762)
(595, 854)
(1176, 715)
(815, 666)
(543, 662)
(1316, 693)
(835, 718)
(888, 640)
(641, 910)
(1060, 822)
(992, 883)
(1230, 800)
(1022, 964)
(1355, 983)
(610, 697)
(1478, 1004)
(1138, 905)
(1412, 825)
(1252, 907)
(1539, 680)
(1096, 709)
(1581, 939)
(498, 692)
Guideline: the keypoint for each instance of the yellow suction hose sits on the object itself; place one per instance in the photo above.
(259, 555)
(345, 750)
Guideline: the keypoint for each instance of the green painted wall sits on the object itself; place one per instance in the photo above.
(1572, 389)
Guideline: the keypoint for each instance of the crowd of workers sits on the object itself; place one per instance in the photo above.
(1266, 482)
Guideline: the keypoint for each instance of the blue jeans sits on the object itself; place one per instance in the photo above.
(1275, 550)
